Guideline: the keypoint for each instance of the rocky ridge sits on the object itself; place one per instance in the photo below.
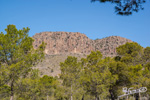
(60, 45)
(75, 42)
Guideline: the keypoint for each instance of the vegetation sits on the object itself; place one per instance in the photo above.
(125, 7)
(91, 78)
(17, 56)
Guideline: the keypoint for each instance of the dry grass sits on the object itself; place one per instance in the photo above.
(50, 65)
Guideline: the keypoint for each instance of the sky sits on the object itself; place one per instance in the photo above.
(96, 20)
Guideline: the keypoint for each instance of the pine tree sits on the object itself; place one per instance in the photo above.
(70, 74)
(17, 56)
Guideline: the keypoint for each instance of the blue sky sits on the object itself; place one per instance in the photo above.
(96, 20)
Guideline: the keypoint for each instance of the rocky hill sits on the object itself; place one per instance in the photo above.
(63, 44)
(75, 42)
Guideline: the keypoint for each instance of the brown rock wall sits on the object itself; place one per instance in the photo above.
(75, 42)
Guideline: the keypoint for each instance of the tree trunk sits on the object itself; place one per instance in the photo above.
(71, 93)
(71, 97)
(139, 96)
(111, 94)
(96, 97)
(11, 98)
(12, 91)
(83, 97)
(99, 98)
(136, 96)
(47, 96)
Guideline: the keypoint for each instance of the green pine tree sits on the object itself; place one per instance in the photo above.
(17, 56)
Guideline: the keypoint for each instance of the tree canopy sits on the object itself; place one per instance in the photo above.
(125, 7)
(17, 56)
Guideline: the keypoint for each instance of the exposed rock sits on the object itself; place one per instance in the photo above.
(108, 45)
(75, 42)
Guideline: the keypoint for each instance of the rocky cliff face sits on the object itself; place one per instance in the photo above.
(64, 42)
(75, 42)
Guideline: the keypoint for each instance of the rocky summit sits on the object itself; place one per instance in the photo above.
(75, 42)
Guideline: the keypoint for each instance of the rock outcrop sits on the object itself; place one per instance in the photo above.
(75, 42)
